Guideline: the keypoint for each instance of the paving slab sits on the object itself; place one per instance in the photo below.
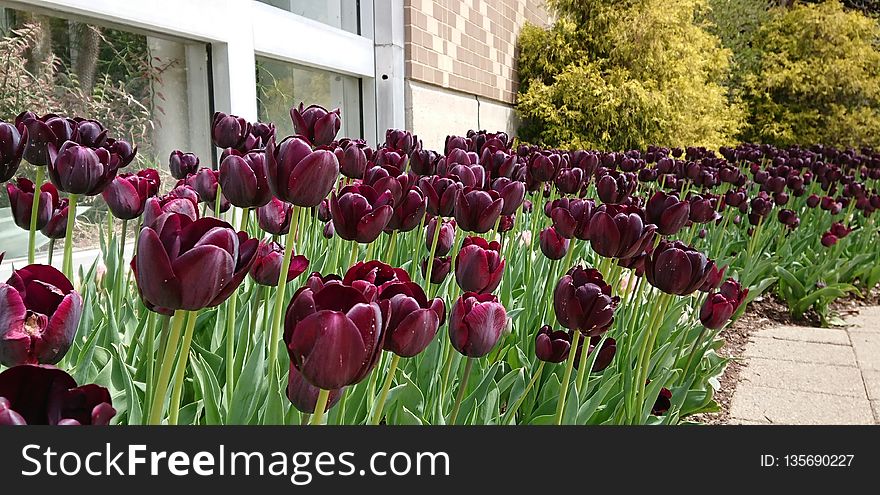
(872, 383)
(740, 421)
(868, 320)
(867, 348)
(806, 334)
(806, 377)
(876, 405)
(805, 352)
(795, 407)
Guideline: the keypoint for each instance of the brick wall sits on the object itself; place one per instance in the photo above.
(468, 45)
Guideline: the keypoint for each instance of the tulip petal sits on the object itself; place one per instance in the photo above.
(328, 349)
(202, 272)
(156, 279)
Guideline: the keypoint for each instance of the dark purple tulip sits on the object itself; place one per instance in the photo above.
(229, 131)
(571, 218)
(186, 264)
(455, 142)
(477, 211)
(813, 200)
(408, 211)
(570, 180)
(123, 149)
(586, 161)
(676, 268)
(667, 212)
(375, 274)
(663, 402)
(829, 239)
(606, 353)
(45, 135)
(304, 396)
(352, 158)
(479, 265)
(243, 179)
(441, 193)
(323, 211)
(442, 267)
(445, 239)
(619, 231)
(334, 335)
(89, 133)
(553, 245)
(582, 301)
(360, 213)
(315, 123)
(840, 230)
(788, 217)
(714, 279)
(328, 231)
(615, 187)
(56, 227)
(46, 395)
(403, 142)
(21, 199)
(703, 209)
(544, 167)
(182, 164)
(81, 170)
(720, 306)
(413, 320)
(205, 182)
(39, 315)
(274, 218)
(261, 132)
(299, 175)
(182, 199)
(267, 266)
(12, 146)
(126, 195)
(475, 324)
(552, 346)
(512, 192)
(424, 162)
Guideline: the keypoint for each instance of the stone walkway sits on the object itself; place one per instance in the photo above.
(802, 375)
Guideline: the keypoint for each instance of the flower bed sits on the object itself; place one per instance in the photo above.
(492, 283)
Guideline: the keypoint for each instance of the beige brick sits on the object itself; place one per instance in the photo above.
(806, 334)
(806, 377)
(809, 352)
(794, 407)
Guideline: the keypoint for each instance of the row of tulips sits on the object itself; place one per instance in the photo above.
(574, 286)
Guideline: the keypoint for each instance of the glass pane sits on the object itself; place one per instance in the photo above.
(282, 85)
(152, 92)
(342, 14)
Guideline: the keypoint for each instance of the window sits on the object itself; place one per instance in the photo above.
(342, 14)
(282, 85)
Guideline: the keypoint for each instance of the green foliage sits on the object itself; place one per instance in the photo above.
(818, 78)
(617, 75)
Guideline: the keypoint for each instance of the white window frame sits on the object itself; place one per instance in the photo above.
(239, 30)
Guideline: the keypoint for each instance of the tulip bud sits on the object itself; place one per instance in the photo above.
(441, 268)
(676, 268)
(205, 182)
(553, 245)
(242, 178)
(56, 227)
(41, 312)
(441, 193)
(829, 239)
(126, 195)
(229, 131)
(408, 211)
(182, 164)
(445, 239)
(299, 175)
(606, 353)
(45, 135)
(477, 210)
(266, 269)
(328, 231)
(582, 301)
(413, 320)
(667, 212)
(476, 323)
(544, 167)
(552, 346)
(21, 199)
(663, 403)
(478, 265)
(619, 231)
(274, 217)
(360, 213)
(81, 170)
(614, 187)
(572, 218)
(12, 146)
(315, 123)
(352, 158)
(720, 306)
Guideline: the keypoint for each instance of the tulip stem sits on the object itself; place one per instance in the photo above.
(218, 201)
(354, 254)
(569, 365)
(392, 244)
(120, 272)
(182, 358)
(380, 404)
(461, 390)
(162, 381)
(51, 251)
(522, 397)
(447, 369)
(230, 324)
(644, 360)
(430, 267)
(149, 344)
(35, 213)
(279, 304)
(320, 407)
(67, 266)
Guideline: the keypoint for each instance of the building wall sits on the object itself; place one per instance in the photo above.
(461, 64)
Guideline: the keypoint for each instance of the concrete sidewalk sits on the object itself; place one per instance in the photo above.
(803, 375)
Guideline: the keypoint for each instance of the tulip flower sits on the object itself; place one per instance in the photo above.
(190, 265)
(243, 180)
(424, 162)
(571, 219)
(788, 218)
(675, 268)
(89, 133)
(45, 135)
(703, 209)
(46, 395)
(720, 306)
(39, 315)
(663, 402)
(374, 273)
(512, 192)
(360, 213)
(553, 245)
(334, 335)
(304, 396)
(667, 212)
(12, 146)
(614, 187)
(413, 320)
(21, 199)
(328, 231)
(126, 195)
(442, 265)
(123, 149)
(56, 227)
(813, 201)
(714, 279)
(475, 324)
(544, 167)
(182, 164)
(229, 131)
(582, 301)
(82, 170)
(441, 193)
(266, 269)
(275, 216)
(840, 230)
(552, 346)
(299, 175)
(606, 353)
(479, 265)
(182, 199)
(408, 211)
(315, 123)
(829, 239)
(446, 235)
(205, 182)
(620, 231)
(477, 210)
(352, 158)
(570, 180)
